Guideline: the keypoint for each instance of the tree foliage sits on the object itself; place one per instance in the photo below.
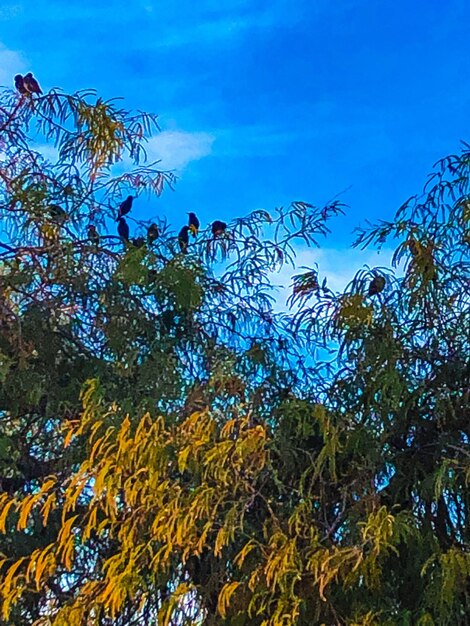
(175, 450)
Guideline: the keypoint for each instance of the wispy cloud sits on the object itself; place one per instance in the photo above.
(176, 148)
(11, 63)
(48, 151)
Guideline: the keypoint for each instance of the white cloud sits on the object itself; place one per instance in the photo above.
(177, 148)
(11, 63)
(48, 151)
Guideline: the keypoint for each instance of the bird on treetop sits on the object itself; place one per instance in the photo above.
(19, 84)
(183, 239)
(57, 212)
(153, 233)
(31, 84)
(138, 242)
(377, 285)
(93, 234)
(123, 229)
(125, 207)
(218, 228)
(193, 224)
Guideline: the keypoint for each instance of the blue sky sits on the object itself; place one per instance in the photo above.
(265, 102)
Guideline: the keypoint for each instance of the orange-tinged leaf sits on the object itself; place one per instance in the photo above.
(91, 524)
(66, 530)
(12, 572)
(25, 508)
(47, 507)
(244, 552)
(6, 506)
(225, 595)
(44, 564)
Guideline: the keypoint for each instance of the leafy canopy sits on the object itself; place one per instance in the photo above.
(175, 450)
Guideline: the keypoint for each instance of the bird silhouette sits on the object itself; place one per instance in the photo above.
(138, 242)
(183, 239)
(218, 228)
(93, 234)
(123, 229)
(193, 224)
(125, 207)
(153, 233)
(31, 84)
(57, 212)
(19, 84)
(377, 285)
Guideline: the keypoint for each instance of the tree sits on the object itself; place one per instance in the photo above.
(172, 448)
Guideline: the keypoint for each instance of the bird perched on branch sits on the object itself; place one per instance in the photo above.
(31, 84)
(193, 224)
(138, 242)
(123, 229)
(57, 212)
(183, 239)
(125, 207)
(218, 228)
(153, 233)
(377, 285)
(19, 84)
(93, 234)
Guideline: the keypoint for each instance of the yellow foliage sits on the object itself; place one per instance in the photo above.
(65, 542)
(6, 504)
(369, 619)
(30, 501)
(244, 552)
(327, 565)
(353, 312)
(224, 597)
(12, 586)
(70, 616)
(166, 612)
(132, 485)
(378, 530)
(281, 560)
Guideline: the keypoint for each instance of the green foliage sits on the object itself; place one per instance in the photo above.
(174, 451)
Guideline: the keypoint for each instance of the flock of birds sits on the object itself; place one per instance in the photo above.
(218, 228)
(27, 85)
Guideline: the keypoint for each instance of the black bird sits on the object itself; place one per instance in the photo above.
(193, 224)
(57, 212)
(125, 207)
(123, 229)
(31, 84)
(19, 84)
(218, 228)
(377, 285)
(93, 234)
(138, 242)
(153, 233)
(183, 239)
